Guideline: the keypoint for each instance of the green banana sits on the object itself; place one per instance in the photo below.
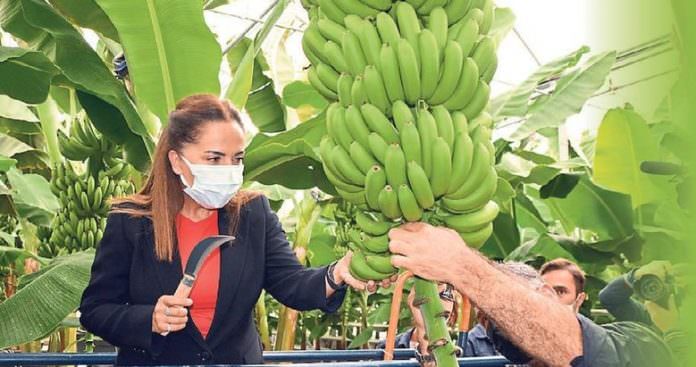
(437, 23)
(361, 270)
(395, 166)
(408, 204)
(372, 225)
(389, 66)
(442, 167)
(488, 75)
(478, 197)
(420, 185)
(460, 123)
(411, 144)
(336, 126)
(484, 54)
(356, 7)
(445, 125)
(389, 203)
(345, 84)
(353, 53)
(334, 53)
(479, 169)
(316, 82)
(381, 263)
(361, 157)
(462, 159)
(456, 10)
(97, 199)
(382, 5)
(467, 88)
(315, 41)
(379, 123)
(332, 11)
(375, 180)
(473, 221)
(451, 71)
(427, 129)
(377, 244)
(429, 5)
(409, 24)
(357, 198)
(387, 28)
(402, 114)
(409, 69)
(356, 126)
(328, 76)
(429, 63)
(357, 92)
(91, 184)
(370, 41)
(378, 147)
(346, 167)
(478, 102)
(488, 16)
(374, 86)
(468, 36)
(331, 30)
(478, 238)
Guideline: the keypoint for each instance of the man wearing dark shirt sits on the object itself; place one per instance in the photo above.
(536, 326)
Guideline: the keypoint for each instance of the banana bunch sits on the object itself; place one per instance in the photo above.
(84, 200)
(84, 142)
(407, 136)
(392, 57)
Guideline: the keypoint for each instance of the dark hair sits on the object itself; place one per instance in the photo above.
(162, 197)
(569, 266)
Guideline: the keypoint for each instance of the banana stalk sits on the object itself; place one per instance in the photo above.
(435, 319)
(262, 321)
(50, 120)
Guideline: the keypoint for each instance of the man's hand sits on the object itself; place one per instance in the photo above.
(660, 269)
(429, 252)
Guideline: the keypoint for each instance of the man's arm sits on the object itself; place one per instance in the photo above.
(616, 297)
(534, 322)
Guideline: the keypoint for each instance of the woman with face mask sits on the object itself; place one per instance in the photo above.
(192, 192)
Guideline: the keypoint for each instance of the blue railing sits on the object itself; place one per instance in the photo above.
(339, 358)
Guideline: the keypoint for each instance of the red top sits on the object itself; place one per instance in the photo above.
(205, 289)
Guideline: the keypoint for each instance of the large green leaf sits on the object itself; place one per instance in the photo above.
(570, 94)
(32, 191)
(516, 101)
(263, 105)
(43, 29)
(39, 307)
(5, 164)
(588, 206)
(15, 110)
(624, 141)
(299, 93)
(86, 14)
(289, 158)
(544, 246)
(170, 51)
(25, 75)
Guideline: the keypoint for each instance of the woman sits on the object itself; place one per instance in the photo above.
(192, 193)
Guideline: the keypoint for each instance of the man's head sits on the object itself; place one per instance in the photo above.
(567, 279)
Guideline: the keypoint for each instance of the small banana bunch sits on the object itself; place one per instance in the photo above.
(85, 204)
(84, 142)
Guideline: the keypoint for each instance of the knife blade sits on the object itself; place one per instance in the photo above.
(200, 252)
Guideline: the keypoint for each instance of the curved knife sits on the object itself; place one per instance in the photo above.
(195, 261)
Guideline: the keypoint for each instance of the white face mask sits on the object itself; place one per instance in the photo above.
(213, 186)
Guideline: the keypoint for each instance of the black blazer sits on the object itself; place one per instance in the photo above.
(127, 280)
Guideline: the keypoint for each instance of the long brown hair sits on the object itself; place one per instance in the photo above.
(162, 196)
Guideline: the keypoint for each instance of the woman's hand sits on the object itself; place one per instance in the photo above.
(170, 315)
(342, 275)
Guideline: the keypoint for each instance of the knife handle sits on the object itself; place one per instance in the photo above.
(184, 288)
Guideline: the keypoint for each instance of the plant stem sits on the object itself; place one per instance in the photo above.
(440, 342)
(262, 321)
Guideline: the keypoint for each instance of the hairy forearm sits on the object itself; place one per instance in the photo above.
(535, 323)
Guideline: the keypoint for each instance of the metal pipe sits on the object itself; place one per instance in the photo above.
(357, 358)
(394, 314)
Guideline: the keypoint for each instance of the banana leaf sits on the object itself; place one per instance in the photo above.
(39, 307)
(624, 141)
(25, 75)
(5, 164)
(86, 14)
(571, 92)
(43, 29)
(170, 51)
